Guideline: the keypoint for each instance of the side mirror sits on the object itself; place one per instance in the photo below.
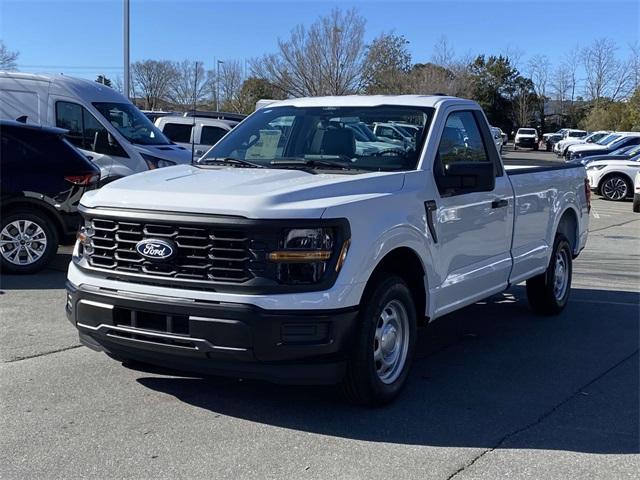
(466, 177)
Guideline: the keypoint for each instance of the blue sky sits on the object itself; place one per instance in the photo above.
(84, 38)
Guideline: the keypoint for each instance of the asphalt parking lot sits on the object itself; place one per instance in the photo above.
(495, 392)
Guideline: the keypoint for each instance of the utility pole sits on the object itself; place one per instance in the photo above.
(126, 49)
(218, 85)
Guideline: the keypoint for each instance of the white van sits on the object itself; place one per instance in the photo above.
(101, 122)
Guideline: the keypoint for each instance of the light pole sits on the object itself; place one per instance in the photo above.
(126, 48)
(218, 85)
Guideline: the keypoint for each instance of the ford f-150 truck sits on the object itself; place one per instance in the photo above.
(285, 255)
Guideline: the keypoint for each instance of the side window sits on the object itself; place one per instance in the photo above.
(211, 135)
(461, 140)
(85, 131)
(178, 132)
(69, 116)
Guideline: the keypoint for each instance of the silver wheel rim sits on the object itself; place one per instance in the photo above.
(561, 275)
(22, 242)
(615, 188)
(391, 342)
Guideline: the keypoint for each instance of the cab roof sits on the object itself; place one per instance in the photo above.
(432, 101)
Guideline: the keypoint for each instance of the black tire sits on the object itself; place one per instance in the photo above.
(636, 203)
(362, 383)
(515, 147)
(615, 187)
(535, 147)
(541, 289)
(33, 217)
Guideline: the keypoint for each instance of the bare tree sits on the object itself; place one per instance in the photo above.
(606, 76)
(561, 85)
(152, 78)
(634, 66)
(443, 53)
(539, 66)
(188, 84)
(8, 59)
(230, 84)
(326, 59)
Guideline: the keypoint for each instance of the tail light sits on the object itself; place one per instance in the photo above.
(83, 180)
(587, 194)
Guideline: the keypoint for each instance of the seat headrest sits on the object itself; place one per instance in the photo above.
(338, 141)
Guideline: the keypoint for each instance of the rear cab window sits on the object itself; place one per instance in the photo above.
(178, 132)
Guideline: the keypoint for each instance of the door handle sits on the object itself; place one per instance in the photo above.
(430, 207)
(499, 203)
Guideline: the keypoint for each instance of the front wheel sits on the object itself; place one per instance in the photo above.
(28, 241)
(383, 350)
(548, 292)
(615, 187)
(636, 203)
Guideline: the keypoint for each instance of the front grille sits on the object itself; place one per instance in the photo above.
(204, 253)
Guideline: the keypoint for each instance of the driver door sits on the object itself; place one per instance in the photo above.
(472, 213)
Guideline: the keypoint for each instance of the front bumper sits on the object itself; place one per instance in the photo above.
(526, 142)
(216, 338)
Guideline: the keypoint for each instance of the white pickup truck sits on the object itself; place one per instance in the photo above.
(284, 255)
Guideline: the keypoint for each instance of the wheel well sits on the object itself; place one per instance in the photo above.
(38, 207)
(568, 226)
(617, 174)
(405, 263)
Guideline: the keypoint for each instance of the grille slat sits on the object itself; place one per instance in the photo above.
(205, 253)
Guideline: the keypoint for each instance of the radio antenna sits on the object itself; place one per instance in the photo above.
(193, 111)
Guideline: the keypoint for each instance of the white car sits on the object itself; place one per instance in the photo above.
(284, 255)
(204, 132)
(526, 137)
(560, 148)
(636, 192)
(613, 179)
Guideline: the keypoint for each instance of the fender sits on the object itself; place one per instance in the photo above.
(41, 202)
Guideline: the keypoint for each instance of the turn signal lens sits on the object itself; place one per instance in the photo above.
(343, 254)
(292, 256)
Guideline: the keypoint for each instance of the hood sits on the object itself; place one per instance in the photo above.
(570, 141)
(614, 163)
(246, 192)
(173, 153)
(596, 158)
(589, 146)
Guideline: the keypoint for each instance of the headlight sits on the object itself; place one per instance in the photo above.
(593, 168)
(84, 238)
(304, 255)
(155, 162)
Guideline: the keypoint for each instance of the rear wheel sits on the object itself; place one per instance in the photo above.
(615, 187)
(28, 241)
(548, 292)
(379, 363)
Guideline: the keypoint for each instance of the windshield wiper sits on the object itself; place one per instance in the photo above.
(229, 161)
(309, 162)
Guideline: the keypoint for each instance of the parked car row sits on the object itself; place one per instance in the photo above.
(613, 175)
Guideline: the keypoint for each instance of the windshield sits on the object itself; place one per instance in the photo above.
(608, 139)
(527, 131)
(131, 123)
(323, 137)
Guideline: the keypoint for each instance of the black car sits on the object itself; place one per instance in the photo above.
(552, 140)
(42, 177)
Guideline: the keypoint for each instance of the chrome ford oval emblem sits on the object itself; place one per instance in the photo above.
(156, 249)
